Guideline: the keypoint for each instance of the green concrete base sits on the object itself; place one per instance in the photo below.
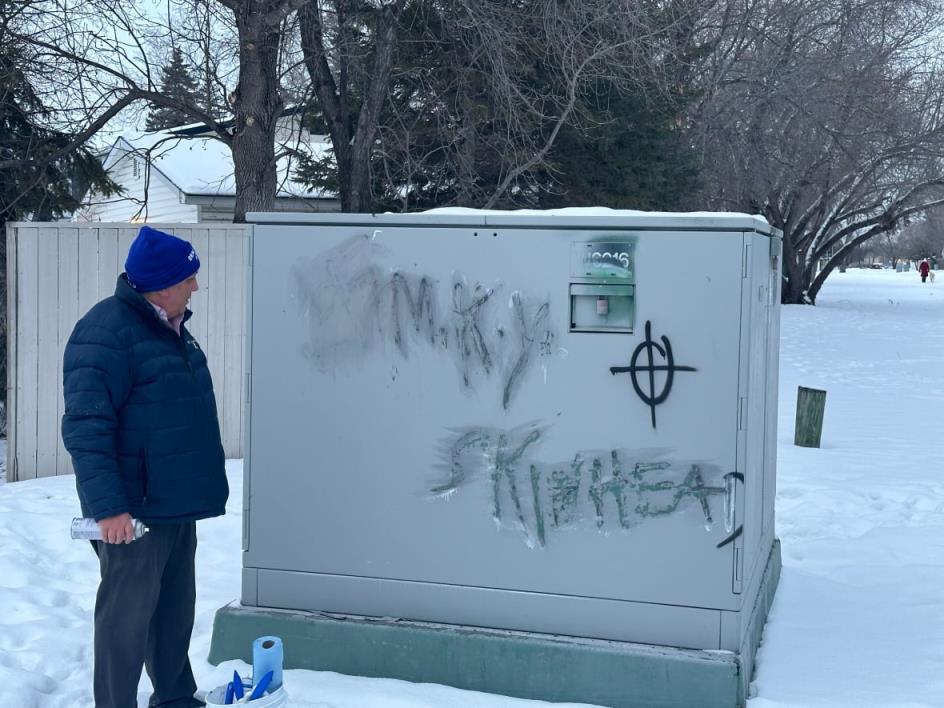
(521, 664)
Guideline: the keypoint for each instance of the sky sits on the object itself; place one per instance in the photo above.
(858, 620)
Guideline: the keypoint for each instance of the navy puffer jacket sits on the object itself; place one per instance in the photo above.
(140, 416)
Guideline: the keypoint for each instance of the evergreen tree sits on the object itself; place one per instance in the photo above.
(38, 167)
(38, 170)
(634, 157)
(447, 136)
(176, 83)
(424, 157)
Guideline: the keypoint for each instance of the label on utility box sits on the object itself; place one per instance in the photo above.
(602, 259)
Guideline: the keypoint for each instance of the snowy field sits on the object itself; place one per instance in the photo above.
(858, 621)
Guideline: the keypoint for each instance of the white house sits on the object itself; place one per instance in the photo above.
(185, 175)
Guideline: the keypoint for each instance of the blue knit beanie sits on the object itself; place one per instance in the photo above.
(157, 260)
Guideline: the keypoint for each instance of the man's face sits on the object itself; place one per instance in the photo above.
(173, 300)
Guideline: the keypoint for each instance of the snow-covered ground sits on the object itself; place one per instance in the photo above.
(859, 616)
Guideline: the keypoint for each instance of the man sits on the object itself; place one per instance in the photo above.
(141, 425)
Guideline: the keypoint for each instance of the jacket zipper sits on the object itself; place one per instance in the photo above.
(144, 475)
(183, 350)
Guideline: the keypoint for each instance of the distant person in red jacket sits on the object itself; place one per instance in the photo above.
(924, 268)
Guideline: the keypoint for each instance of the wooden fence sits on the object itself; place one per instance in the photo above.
(55, 273)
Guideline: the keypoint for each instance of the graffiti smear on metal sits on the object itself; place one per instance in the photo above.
(352, 307)
(612, 490)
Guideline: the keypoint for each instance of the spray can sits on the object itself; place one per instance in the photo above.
(88, 530)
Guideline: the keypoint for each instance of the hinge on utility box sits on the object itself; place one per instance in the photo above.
(738, 571)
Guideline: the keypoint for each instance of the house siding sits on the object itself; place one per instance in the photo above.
(164, 199)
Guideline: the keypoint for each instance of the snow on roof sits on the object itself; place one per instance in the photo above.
(203, 165)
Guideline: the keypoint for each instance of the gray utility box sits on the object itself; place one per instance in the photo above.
(552, 422)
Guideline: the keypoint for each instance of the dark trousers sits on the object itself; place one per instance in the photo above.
(144, 617)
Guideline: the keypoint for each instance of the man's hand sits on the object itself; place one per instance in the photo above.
(117, 529)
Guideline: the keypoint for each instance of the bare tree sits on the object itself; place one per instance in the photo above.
(888, 245)
(924, 238)
(348, 51)
(477, 117)
(463, 100)
(825, 117)
(543, 59)
(95, 59)
(205, 34)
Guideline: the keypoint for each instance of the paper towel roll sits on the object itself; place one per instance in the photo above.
(267, 656)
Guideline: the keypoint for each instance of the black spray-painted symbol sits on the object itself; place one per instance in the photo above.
(651, 399)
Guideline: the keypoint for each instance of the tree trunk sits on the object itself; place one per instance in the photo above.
(793, 291)
(352, 136)
(368, 121)
(257, 107)
(796, 283)
(328, 93)
(812, 291)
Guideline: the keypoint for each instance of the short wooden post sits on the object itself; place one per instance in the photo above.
(811, 404)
